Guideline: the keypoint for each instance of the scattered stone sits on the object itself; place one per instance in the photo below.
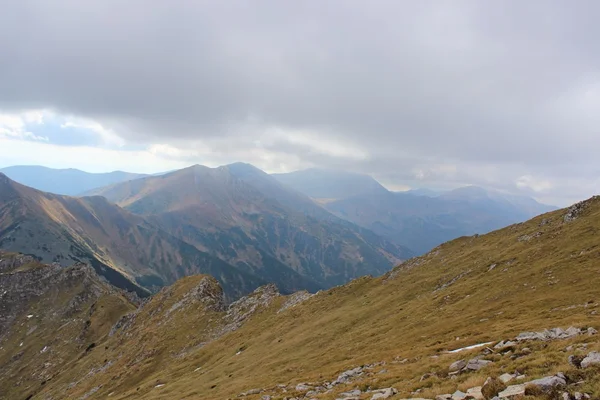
(383, 393)
(458, 395)
(476, 364)
(549, 382)
(352, 393)
(591, 331)
(512, 391)
(505, 378)
(505, 344)
(457, 365)
(591, 359)
(347, 375)
(303, 387)
(475, 393)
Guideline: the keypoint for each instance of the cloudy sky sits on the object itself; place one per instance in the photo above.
(417, 93)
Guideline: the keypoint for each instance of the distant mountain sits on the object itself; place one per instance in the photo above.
(329, 184)
(249, 219)
(69, 182)
(421, 222)
(127, 250)
(419, 219)
(424, 192)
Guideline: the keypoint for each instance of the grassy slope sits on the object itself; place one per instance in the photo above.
(546, 279)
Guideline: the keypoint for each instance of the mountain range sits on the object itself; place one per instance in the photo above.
(71, 182)
(512, 314)
(414, 220)
(235, 222)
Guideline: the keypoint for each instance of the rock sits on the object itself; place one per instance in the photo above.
(504, 344)
(525, 350)
(265, 397)
(458, 395)
(571, 332)
(512, 391)
(457, 365)
(475, 393)
(476, 364)
(591, 359)
(352, 393)
(384, 393)
(347, 375)
(505, 378)
(303, 387)
(530, 336)
(251, 392)
(548, 383)
(591, 331)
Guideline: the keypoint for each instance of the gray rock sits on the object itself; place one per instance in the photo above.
(251, 392)
(457, 365)
(591, 359)
(303, 387)
(591, 331)
(351, 393)
(384, 393)
(265, 397)
(530, 336)
(549, 382)
(476, 364)
(475, 393)
(505, 378)
(512, 391)
(504, 344)
(458, 395)
(571, 332)
(347, 375)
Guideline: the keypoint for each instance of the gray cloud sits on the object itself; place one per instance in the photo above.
(432, 92)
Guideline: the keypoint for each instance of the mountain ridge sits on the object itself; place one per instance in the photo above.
(248, 218)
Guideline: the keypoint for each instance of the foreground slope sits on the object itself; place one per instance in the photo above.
(130, 252)
(527, 277)
(247, 218)
(69, 182)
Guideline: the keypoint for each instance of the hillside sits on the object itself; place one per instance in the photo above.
(130, 252)
(64, 181)
(247, 218)
(396, 331)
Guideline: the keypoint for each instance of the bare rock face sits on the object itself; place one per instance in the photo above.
(242, 309)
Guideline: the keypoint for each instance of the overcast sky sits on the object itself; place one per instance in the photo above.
(419, 94)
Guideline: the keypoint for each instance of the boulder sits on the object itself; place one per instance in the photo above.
(351, 393)
(476, 364)
(548, 383)
(458, 395)
(505, 378)
(457, 365)
(530, 336)
(512, 391)
(303, 387)
(571, 332)
(475, 393)
(383, 393)
(591, 331)
(591, 359)
(347, 375)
